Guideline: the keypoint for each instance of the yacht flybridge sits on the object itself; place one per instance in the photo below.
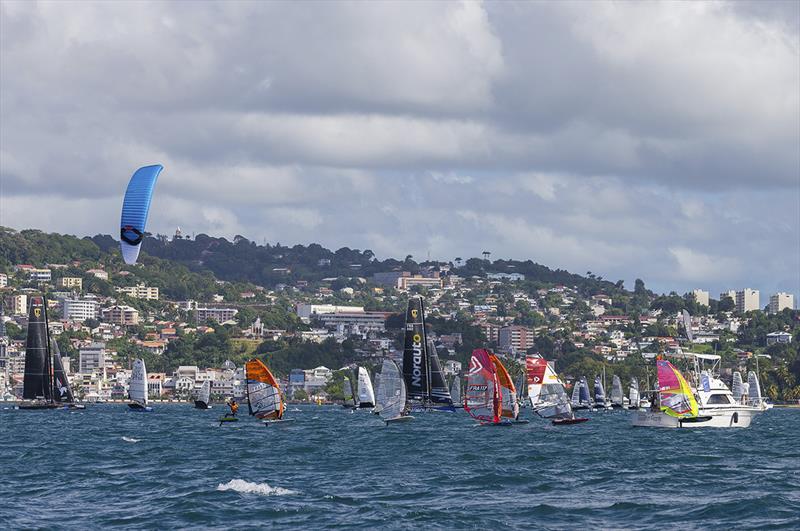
(714, 404)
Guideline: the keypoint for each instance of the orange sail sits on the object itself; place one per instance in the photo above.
(264, 396)
(507, 389)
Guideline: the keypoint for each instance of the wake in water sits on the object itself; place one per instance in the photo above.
(130, 439)
(246, 487)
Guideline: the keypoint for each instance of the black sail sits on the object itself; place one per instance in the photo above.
(415, 356)
(61, 389)
(38, 380)
(440, 393)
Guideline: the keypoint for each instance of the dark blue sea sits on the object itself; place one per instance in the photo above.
(177, 468)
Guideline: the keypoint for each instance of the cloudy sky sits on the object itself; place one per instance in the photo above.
(652, 140)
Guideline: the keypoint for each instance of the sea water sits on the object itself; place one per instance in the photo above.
(178, 468)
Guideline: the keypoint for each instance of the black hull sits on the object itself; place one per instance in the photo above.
(366, 405)
(198, 404)
(566, 422)
(38, 406)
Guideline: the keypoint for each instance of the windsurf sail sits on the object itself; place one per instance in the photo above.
(676, 397)
(264, 397)
(393, 403)
(508, 391)
(455, 390)
(754, 389)
(439, 393)
(61, 389)
(38, 377)
(633, 393)
(204, 394)
(347, 389)
(415, 355)
(738, 388)
(366, 395)
(521, 388)
(137, 387)
(380, 394)
(576, 394)
(482, 396)
(135, 209)
(546, 390)
(687, 325)
(617, 395)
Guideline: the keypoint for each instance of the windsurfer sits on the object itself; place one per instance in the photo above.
(234, 407)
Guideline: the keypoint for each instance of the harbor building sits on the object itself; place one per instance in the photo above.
(121, 315)
(781, 301)
(71, 283)
(79, 309)
(92, 358)
(140, 292)
(219, 315)
(520, 338)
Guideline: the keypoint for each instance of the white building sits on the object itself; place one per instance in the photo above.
(701, 296)
(3, 280)
(747, 300)
(220, 315)
(92, 358)
(79, 309)
(305, 311)
(40, 275)
(71, 282)
(781, 301)
(19, 304)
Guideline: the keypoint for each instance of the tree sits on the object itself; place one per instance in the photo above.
(300, 394)
(726, 304)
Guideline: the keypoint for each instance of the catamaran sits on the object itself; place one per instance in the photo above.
(38, 387)
(548, 398)
(393, 405)
(203, 399)
(714, 404)
(617, 396)
(366, 395)
(137, 387)
(425, 383)
(508, 392)
(264, 398)
(482, 399)
(580, 395)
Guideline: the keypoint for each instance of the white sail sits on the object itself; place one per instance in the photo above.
(347, 390)
(754, 389)
(633, 393)
(617, 396)
(576, 393)
(204, 395)
(366, 395)
(393, 391)
(455, 390)
(551, 400)
(738, 387)
(379, 393)
(137, 388)
(687, 324)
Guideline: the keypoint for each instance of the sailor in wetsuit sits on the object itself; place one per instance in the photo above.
(234, 407)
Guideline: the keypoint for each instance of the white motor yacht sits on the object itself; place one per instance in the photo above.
(717, 407)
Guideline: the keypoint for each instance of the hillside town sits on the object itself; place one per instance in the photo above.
(103, 315)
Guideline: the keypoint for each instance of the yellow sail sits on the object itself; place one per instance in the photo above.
(677, 399)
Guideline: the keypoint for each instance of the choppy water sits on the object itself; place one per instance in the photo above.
(177, 468)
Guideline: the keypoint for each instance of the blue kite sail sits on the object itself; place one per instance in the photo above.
(135, 208)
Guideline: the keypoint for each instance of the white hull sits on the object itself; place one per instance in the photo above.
(719, 418)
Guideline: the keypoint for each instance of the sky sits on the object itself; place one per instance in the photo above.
(635, 140)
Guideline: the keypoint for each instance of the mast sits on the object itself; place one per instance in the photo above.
(425, 354)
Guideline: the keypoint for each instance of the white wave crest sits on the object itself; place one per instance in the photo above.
(130, 439)
(246, 487)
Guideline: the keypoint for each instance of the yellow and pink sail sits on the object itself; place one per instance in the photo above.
(677, 399)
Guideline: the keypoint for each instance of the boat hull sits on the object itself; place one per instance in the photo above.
(567, 422)
(403, 418)
(139, 408)
(199, 404)
(39, 405)
(740, 418)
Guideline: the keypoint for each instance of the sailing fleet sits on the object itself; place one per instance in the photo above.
(489, 394)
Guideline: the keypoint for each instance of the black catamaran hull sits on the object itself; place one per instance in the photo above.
(199, 404)
(566, 422)
(139, 408)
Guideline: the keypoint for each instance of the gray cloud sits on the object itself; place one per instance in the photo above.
(654, 140)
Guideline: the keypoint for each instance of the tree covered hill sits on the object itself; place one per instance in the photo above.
(242, 260)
